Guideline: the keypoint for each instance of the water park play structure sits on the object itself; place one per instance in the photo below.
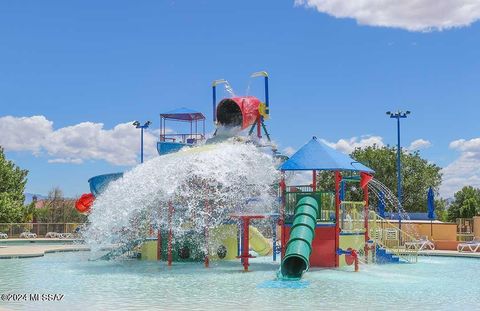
(309, 227)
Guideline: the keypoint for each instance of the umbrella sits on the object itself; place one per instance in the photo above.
(381, 204)
(431, 208)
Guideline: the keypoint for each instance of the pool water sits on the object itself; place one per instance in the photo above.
(432, 284)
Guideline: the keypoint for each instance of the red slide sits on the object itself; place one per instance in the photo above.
(84, 203)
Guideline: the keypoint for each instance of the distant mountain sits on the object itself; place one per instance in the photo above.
(29, 197)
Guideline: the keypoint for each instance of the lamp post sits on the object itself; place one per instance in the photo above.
(141, 127)
(399, 115)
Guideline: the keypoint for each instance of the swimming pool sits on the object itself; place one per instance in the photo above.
(433, 284)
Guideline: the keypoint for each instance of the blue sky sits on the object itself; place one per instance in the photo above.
(112, 62)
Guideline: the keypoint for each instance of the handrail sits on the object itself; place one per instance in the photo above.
(392, 238)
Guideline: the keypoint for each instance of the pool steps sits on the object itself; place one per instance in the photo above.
(383, 256)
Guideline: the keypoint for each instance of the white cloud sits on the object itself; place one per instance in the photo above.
(66, 160)
(413, 15)
(25, 133)
(348, 145)
(289, 151)
(419, 144)
(77, 143)
(465, 170)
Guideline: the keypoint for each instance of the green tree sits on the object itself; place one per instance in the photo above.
(417, 176)
(12, 185)
(466, 203)
(58, 209)
(441, 210)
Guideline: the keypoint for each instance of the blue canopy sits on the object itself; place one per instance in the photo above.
(431, 204)
(184, 114)
(316, 155)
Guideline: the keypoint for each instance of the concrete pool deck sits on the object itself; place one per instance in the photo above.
(446, 253)
(36, 240)
(36, 248)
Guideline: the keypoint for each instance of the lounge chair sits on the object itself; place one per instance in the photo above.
(421, 244)
(3, 235)
(28, 235)
(65, 236)
(52, 235)
(470, 246)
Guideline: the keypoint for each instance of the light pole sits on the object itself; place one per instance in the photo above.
(399, 115)
(141, 127)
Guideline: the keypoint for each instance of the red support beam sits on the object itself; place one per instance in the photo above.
(338, 178)
(159, 245)
(170, 233)
(207, 212)
(245, 256)
(314, 181)
(365, 221)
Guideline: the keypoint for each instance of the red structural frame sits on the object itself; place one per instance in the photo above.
(338, 178)
(170, 233)
(245, 219)
(207, 259)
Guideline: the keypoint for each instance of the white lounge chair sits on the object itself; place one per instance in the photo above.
(52, 235)
(3, 235)
(28, 235)
(65, 236)
(470, 246)
(421, 244)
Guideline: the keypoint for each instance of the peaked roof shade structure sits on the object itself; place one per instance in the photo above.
(316, 155)
(183, 114)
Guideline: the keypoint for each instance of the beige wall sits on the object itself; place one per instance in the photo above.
(476, 226)
(441, 231)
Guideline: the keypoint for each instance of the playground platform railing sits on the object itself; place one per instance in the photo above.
(386, 234)
(182, 138)
(13, 230)
(351, 216)
(325, 200)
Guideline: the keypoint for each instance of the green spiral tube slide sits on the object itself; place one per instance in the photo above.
(299, 246)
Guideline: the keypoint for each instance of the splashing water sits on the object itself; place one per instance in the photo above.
(203, 185)
(391, 202)
(229, 89)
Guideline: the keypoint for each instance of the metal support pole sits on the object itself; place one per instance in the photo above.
(141, 146)
(399, 175)
(274, 237)
(283, 189)
(259, 129)
(214, 96)
(267, 100)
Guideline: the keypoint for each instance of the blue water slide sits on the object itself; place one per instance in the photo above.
(99, 183)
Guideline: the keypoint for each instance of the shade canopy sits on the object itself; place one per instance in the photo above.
(183, 114)
(318, 156)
